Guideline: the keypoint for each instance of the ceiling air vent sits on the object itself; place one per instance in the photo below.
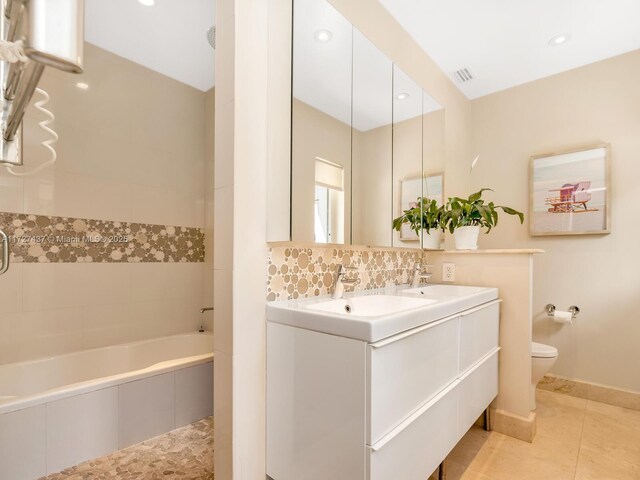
(463, 75)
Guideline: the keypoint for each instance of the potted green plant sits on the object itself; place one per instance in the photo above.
(424, 217)
(465, 216)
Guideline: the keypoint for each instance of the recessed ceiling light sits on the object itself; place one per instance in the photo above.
(82, 85)
(560, 39)
(147, 3)
(323, 36)
(402, 96)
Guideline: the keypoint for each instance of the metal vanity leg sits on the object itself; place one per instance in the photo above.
(442, 470)
(487, 420)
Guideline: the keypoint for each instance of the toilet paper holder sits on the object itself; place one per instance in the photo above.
(551, 309)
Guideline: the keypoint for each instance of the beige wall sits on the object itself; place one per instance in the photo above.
(593, 104)
(372, 187)
(132, 149)
(316, 134)
(434, 156)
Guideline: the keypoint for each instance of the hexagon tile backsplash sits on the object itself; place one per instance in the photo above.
(299, 272)
(45, 239)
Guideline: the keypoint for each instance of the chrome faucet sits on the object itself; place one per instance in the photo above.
(342, 280)
(419, 274)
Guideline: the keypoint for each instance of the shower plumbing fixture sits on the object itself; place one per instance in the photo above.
(5, 252)
(34, 34)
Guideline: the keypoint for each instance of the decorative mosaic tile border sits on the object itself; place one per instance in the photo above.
(300, 272)
(45, 239)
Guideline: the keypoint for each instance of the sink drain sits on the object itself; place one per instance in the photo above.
(347, 308)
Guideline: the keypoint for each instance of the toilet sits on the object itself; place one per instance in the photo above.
(542, 359)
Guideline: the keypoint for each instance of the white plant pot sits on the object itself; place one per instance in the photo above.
(466, 237)
(432, 240)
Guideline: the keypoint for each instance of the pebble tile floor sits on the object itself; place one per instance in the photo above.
(577, 439)
(183, 454)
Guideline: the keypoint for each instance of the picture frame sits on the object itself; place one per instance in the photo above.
(570, 192)
(429, 185)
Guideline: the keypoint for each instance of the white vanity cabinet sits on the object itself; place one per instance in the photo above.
(346, 409)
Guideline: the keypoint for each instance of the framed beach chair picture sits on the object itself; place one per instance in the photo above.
(570, 192)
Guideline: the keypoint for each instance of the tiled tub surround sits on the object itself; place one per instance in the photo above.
(297, 271)
(48, 239)
(149, 167)
(56, 308)
(64, 425)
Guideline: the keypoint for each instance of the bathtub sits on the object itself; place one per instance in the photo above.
(60, 411)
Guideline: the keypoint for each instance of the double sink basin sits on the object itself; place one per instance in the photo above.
(373, 316)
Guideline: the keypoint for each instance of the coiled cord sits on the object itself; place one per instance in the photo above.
(13, 52)
(48, 144)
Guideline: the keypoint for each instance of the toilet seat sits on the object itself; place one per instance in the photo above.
(540, 350)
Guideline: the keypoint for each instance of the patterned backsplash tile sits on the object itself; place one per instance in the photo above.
(45, 239)
(299, 272)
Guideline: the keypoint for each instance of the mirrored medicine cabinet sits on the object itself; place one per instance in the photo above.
(366, 139)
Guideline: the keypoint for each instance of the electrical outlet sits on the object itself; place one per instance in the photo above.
(448, 272)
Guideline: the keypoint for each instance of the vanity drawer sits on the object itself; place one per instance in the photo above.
(478, 387)
(479, 333)
(407, 370)
(415, 449)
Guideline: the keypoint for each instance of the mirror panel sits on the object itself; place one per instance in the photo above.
(371, 144)
(433, 149)
(321, 124)
(407, 152)
(366, 141)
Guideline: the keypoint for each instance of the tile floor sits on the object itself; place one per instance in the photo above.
(577, 439)
(184, 454)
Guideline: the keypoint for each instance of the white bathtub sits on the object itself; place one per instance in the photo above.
(60, 411)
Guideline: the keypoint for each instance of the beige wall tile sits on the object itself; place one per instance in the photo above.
(11, 189)
(106, 148)
(11, 290)
(73, 195)
(117, 163)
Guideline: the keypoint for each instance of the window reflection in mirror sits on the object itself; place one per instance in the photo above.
(321, 122)
(329, 213)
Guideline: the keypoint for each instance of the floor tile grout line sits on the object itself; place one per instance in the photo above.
(584, 419)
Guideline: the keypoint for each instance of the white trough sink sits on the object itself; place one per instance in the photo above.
(373, 316)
